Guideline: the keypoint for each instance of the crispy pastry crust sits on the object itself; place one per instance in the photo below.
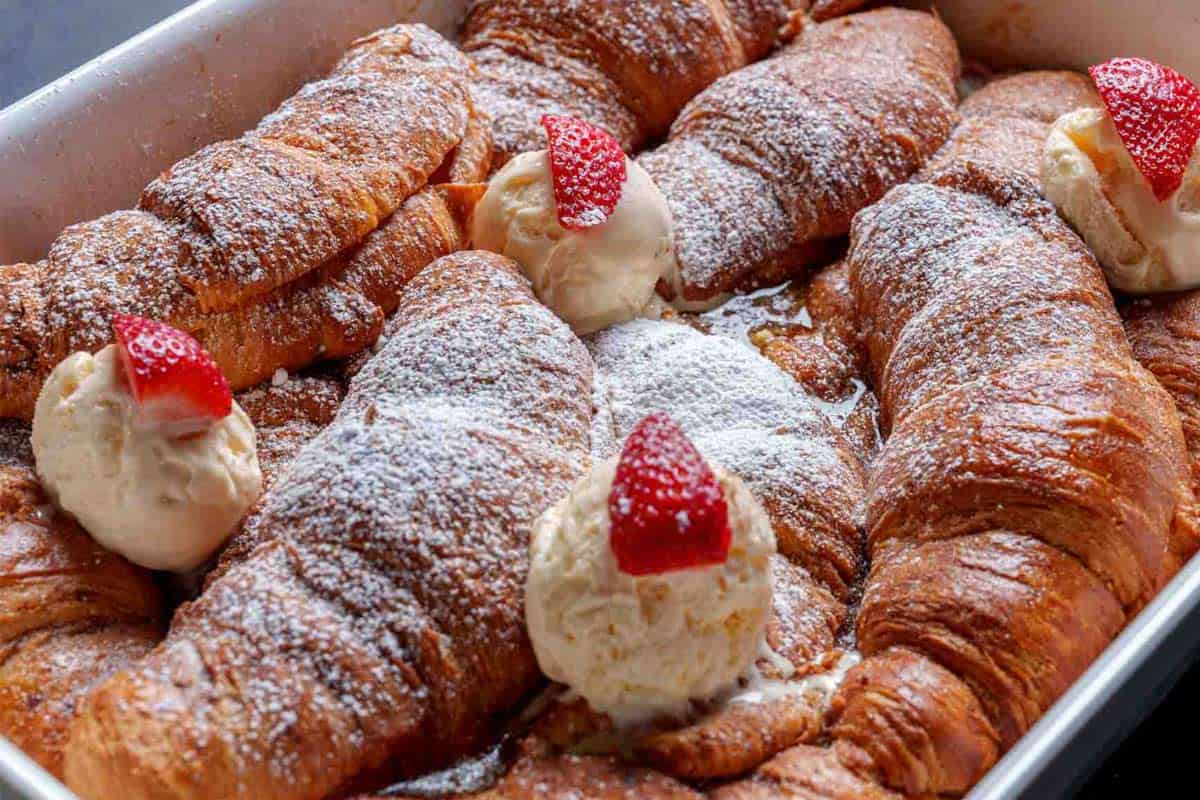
(1033, 489)
(382, 613)
(279, 248)
(627, 67)
(72, 613)
(772, 160)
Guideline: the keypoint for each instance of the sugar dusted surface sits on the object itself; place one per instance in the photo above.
(241, 243)
(745, 414)
(784, 152)
(389, 596)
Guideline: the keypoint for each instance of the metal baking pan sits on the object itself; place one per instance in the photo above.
(87, 143)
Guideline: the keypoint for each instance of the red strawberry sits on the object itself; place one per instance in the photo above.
(1156, 112)
(667, 509)
(172, 378)
(588, 167)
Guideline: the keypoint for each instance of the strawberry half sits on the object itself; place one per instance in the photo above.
(667, 509)
(1156, 112)
(588, 168)
(172, 379)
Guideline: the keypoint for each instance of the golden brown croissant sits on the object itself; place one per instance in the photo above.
(286, 417)
(71, 613)
(811, 485)
(1165, 334)
(626, 67)
(768, 164)
(74, 613)
(380, 623)
(1034, 482)
(287, 245)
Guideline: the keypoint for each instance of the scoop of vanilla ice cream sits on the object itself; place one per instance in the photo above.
(162, 502)
(1144, 245)
(590, 278)
(637, 648)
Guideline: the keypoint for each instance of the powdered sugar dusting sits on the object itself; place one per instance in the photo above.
(239, 244)
(743, 413)
(625, 67)
(389, 595)
(783, 153)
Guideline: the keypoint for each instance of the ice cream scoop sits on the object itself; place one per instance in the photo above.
(643, 646)
(1144, 244)
(590, 277)
(1127, 175)
(163, 500)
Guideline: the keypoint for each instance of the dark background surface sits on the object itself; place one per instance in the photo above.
(43, 39)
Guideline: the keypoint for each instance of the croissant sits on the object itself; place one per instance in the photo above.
(287, 245)
(1022, 433)
(75, 613)
(71, 613)
(538, 772)
(770, 163)
(382, 613)
(1165, 334)
(626, 67)
(810, 483)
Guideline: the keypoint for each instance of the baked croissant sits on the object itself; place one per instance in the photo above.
(74, 613)
(626, 67)
(1034, 483)
(809, 481)
(1165, 334)
(380, 622)
(769, 164)
(71, 613)
(287, 245)
(286, 417)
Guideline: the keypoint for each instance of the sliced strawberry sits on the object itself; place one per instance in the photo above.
(588, 167)
(667, 509)
(173, 380)
(1156, 112)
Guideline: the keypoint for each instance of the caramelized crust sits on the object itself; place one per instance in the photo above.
(827, 9)
(914, 722)
(781, 154)
(1015, 619)
(383, 614)
(826, 356)
(804, 773)
(71, 613)
(1084, 456)
(1165, 334)
(627, 67)
(736, 738)
(1032, 491)
(280, 248)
